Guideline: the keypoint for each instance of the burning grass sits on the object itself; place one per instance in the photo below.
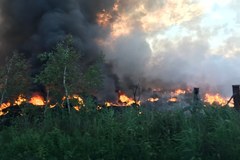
(160, 97)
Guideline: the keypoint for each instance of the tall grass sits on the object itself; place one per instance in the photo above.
(129, 133)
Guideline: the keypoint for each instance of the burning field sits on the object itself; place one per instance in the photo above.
(162, 100)
(116, 79)
(153, 44)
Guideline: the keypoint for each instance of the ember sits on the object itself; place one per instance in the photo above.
(174, 99)
(153, 99)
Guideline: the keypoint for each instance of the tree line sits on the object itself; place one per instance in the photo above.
(62, 74)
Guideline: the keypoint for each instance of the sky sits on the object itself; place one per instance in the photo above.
(191, 42)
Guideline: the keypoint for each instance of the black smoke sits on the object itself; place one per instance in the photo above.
(32, 27)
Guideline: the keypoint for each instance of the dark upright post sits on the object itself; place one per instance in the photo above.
(196, 95)
(236, 96)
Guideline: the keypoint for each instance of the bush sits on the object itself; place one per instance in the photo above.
(213, 133)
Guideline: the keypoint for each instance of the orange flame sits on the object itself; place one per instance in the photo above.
(37, 100)
(123, 100)
(178, 92)
(174, 99)
(217, 99)
(108, 104)
(4, 106)
(79, 99)
(103, 18)
(153, 99)
(21, 98)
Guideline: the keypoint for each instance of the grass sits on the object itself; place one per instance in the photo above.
(209, 133)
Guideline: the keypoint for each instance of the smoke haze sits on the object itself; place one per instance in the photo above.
(158, 43)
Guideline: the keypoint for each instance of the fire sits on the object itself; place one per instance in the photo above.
(4, 106)
(174, 99)
(103, 18)
(175, 95)
(178, 92)
(121, 27)
(149, 19)
(123, 100)
(120, 24)
(79, 99)
(20, 100)
(78, 103)
(217, 98)
(153, 99)
(108, 104)
(37, 100)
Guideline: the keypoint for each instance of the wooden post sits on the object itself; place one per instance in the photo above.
(236, 96)
(196, 95)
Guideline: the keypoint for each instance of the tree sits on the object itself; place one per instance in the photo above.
(65, 70)
(93, 77)
(14, 77)
(62, 69)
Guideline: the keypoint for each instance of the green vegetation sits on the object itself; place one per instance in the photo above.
(126, 133)
(14, 77)
(63, 72)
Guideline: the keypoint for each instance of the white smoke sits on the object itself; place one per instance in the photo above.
(180, 44)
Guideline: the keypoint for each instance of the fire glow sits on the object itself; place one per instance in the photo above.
(77, 101)
(176, 94)
(123, 100)
(216, 99)
(4, 106)
(153, 99)
(21, 99)
(37, 100)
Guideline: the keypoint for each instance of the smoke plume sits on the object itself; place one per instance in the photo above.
(157, 43)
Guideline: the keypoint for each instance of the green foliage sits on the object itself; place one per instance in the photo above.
(14, 77)
(92, 78)
(63, 56)
(65, 71)
(124, 134)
